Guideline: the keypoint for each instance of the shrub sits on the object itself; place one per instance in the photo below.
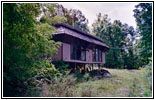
(81, 77)
(63, 86)
(148, 75)
(61, 66)
(78, 75)
(43, 72)
(58, 87)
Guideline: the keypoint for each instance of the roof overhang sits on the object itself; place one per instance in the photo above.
(63, 29)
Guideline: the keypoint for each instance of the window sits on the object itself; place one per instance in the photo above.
(94, 57)
(100, 55)
(83, 54)
(78, 52)
(73, 52)
(97, 55)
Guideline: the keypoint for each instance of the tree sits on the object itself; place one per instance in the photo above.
(27, 45)
(120, 38)
(73, 17)
(143, 15)
(105, 30)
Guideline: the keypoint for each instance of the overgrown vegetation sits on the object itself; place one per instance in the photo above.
(148, 76)
(122, 84)
(26, 45)
(27, 48)
(129, 48)
(61, 66)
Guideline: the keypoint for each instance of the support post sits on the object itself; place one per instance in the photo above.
(75, 66)
(99, 66)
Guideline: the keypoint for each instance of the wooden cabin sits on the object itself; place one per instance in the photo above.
(78, 47)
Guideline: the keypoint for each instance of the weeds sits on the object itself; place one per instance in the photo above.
(123, 83)
(59, 87)
(86, 92)
(148, 78)
(133, 91)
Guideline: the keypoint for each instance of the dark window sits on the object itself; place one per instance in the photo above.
(78, 52)
(97, 55)
(94, 57)
(73, 51)
(83, 54)
(100, 55)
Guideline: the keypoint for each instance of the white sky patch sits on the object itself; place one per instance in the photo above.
(116, 11)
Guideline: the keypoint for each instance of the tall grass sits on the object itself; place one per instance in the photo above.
(123, 83)
(59, 87)
(148, 79)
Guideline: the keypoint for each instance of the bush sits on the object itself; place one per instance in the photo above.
(58, 87)
(61, 66)
(148, 72)
(43, 72)
(148, 75)
(78, 75)
(81, 77)
(63, 87)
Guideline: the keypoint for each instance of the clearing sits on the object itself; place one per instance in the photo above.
(123, 83)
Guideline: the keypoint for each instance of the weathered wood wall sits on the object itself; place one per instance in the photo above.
(58, 55)
(68, 36)
(66, 51)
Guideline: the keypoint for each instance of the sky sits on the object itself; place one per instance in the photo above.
(116, 11)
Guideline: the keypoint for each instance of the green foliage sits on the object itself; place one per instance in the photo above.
(44, 69)
(78, 75)
(27, 45)
(148, 70)
(124, 83)
(61, 66)
(148, 76)
(73, 17)
(81, 77)
(53, 20)
(143, 15)
(17, 44)
(43, 72)
(119, 37)
(58, 87)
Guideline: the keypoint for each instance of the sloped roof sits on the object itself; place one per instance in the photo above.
(100, 42)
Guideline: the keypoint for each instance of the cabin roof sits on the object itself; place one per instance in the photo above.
(81, 32)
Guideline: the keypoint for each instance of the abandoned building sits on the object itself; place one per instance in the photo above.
(79, 48)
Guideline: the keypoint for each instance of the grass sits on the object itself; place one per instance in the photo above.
(124, 83)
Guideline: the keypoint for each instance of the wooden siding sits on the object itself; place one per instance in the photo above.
(103, 57)
(58, 55)
(89, 55)
(63, 53)
(69, 36)
(66, 51)
(66, 55)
